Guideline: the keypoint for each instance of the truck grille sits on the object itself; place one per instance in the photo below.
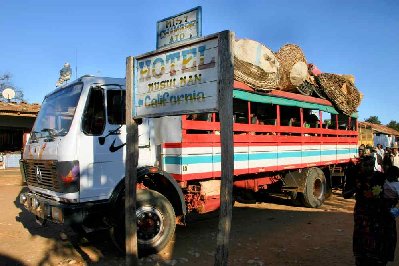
(43, 174)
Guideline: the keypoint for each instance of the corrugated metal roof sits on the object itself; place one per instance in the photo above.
(380, 128)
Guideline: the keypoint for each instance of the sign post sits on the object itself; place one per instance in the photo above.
(132, 154)
(184, 76)
(226, 70)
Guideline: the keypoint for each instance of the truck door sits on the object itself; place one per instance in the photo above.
(102, 143)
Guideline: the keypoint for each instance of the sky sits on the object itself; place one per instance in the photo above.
(359, 37)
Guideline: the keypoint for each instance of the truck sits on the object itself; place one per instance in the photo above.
(74, 161)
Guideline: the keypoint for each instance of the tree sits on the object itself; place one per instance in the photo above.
(394, 125)
(373, 119)
(5, 82)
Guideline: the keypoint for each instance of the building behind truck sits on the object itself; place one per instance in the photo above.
(74, 161)
(16, 121)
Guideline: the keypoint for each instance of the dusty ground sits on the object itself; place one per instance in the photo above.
(271, 233)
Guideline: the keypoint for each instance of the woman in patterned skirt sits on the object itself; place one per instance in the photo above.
(374, 234)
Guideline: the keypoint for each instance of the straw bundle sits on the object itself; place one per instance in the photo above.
(307, 88)
(341, 91)
(294, 69)
(255, 65)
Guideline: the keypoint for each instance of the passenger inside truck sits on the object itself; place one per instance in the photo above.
(200, 117)
(312, 121)
(343, 122)
(290, 116)
(207, 117)
(266, 114)
(240, 111)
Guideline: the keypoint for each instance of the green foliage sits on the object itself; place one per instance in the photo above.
(373, 119)
(393, 124)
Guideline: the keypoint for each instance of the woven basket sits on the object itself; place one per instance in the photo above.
(341, 91)
(290, 55)
(255, 65)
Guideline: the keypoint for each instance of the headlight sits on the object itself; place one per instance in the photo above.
(35, 203)
(22, 198)
(56, 214)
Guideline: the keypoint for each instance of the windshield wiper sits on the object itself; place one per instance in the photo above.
(52, 133)
(33, 137)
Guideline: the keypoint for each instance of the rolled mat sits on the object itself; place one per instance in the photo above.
(255, 65)
(340, 91)
(294, 70)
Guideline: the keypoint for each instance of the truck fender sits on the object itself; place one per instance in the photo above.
(295, 180)
(164, 178)
(143, 174)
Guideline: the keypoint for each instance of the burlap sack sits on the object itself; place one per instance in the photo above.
(255, 65)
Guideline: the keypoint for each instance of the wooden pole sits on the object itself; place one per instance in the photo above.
(226, 70)
(132, 155)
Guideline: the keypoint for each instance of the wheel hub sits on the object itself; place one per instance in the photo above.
(149, 224)
(318, 188)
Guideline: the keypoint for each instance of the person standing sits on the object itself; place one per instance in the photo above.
(380, 150)
(374, 233)
(395, 155)
(378, 160)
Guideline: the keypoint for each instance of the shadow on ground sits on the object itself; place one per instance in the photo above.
(272, 232)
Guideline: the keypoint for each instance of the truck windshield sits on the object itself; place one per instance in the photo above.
(56, 113)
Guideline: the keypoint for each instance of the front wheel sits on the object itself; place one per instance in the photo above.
(156, 223)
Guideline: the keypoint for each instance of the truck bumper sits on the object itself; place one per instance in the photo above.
(53, 211)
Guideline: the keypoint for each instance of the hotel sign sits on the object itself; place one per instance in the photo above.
(180, 80)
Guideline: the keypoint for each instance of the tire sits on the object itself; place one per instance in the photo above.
(315, 188)
(296, 198)
(328, 187)
(156, 223)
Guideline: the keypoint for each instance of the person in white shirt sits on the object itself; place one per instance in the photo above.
(378, 160)
(380, 150)
(395, 156)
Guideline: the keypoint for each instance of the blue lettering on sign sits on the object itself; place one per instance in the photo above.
(167, 98)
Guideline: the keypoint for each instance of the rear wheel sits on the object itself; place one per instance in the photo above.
(315, 188)
(296, 198)
(156, 223)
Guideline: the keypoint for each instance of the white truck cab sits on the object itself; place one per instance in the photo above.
(74, 162)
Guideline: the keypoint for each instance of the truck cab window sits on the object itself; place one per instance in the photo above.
(116, 107)
(93, 121)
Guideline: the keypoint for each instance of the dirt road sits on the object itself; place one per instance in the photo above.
(268, 233)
